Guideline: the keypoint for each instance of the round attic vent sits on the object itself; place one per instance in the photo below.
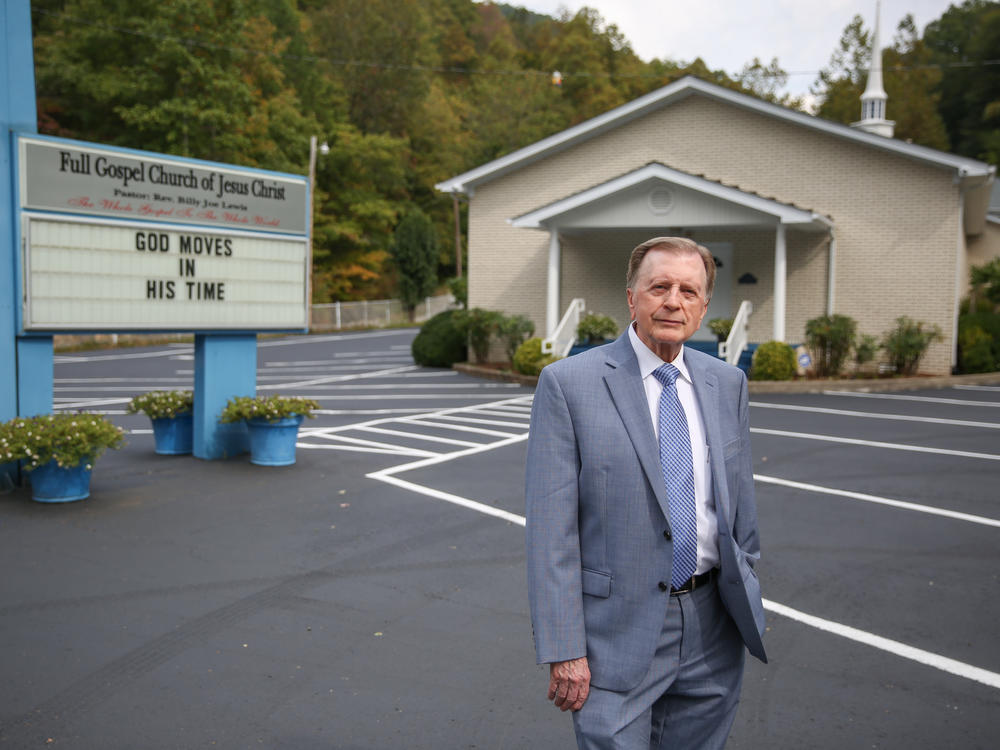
(661, 200)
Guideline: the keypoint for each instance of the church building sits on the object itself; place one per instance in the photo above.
(805, 216)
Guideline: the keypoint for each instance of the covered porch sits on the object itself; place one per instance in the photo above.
(759, 244)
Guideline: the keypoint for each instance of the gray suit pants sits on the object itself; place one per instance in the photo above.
(688, 699)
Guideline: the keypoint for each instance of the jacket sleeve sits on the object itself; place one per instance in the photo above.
(551, 531)
(745, 528)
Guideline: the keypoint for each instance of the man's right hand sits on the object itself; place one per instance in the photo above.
(569, 683)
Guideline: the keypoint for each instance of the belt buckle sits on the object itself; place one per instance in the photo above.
(688, 586)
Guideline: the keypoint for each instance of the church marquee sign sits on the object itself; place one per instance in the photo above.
(120, 240)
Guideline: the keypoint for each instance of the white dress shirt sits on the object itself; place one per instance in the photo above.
(708, 543)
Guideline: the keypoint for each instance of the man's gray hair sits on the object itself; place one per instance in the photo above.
(674, 245)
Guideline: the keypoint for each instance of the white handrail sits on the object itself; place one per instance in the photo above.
(739, 336)
(561, 340)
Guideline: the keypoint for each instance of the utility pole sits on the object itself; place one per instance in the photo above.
(458, 236)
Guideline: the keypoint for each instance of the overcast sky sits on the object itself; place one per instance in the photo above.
(726, 34)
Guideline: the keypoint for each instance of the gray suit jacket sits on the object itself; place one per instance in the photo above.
(597, 511)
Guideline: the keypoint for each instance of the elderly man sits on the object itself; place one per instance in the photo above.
(641, 523)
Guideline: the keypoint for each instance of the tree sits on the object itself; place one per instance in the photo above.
(381, 52)
(194, 78)
(964, 41)
(841, 83)
(765, 81)
(910, 82)
(414, 251)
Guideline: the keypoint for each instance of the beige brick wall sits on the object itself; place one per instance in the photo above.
(896, 222)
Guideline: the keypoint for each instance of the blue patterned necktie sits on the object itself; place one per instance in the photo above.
(678, 475)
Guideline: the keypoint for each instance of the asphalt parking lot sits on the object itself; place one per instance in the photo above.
(372, 595)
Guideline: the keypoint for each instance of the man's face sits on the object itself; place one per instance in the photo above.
(668, 300)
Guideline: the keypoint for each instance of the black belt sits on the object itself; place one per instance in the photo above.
(702, 579)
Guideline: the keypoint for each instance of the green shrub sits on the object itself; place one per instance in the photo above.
(593, 328)
(829, 338)
(271, 408)
(513, 331)
(773, 360)
(479, 327)
(529, 360)
(721, 327)
(907, 343)
(985, 281)
(162, 404)
(975, 350)
(440, 343)
(69, 439)
(989, 323)
(865, 349)
(459, 289)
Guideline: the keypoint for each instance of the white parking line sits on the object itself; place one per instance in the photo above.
(417, 436)
(943, 663)
(338, 364)
(388, 476)
(901, 397)
(122, 380)
(320, 339)
(897, 648)
(340, 378)
(338, 359)
(60, 403)
(877, 415)
(397, 449)
(494, 422)
(875, 444)
(342, 412)
(69, 359)
(456, 427)
(401, 396)
(880, 500)
(503, 413)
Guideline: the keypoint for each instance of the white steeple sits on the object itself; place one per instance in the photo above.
(873, 100)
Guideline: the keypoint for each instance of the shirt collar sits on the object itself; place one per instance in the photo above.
(649, 361)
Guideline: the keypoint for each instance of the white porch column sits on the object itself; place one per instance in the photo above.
(552, 290)
(780, 274)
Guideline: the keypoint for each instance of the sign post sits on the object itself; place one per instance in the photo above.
(20, 361)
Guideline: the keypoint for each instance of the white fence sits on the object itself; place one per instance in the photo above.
(374, 313)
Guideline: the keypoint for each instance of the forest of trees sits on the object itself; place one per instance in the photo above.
(407, 93)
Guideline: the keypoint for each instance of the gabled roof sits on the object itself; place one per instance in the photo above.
(783, 213)
(682, 88)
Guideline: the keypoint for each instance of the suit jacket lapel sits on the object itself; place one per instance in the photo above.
(706, 389)
(624, 383)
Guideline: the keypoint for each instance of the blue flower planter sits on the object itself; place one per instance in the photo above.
(273, 443)
(52, 483)
(174, 436)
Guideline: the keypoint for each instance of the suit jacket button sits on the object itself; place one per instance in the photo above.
(666, 534)
(663, 586)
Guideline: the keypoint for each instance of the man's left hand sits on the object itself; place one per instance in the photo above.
(569, 683)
